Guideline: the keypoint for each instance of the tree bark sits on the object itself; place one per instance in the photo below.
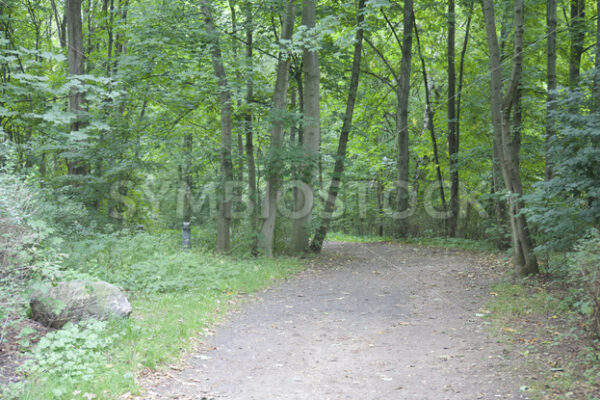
(577, 32)
(338, 169)
(265, 240)
(402, 94)
(312, 133)
(459, 94)
(429, 115)
(551, 24)
(76, 67)
(524, 258)
(60, 28)
(249, 145)
(452, 131)
(224, 215)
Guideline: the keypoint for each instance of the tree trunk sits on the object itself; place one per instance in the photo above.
(402, 94)
(577, 32)
(76, 67)
(524, 258)
(248, 121)
(338, 170)
(551, 24)
(59, 26)
(429, 116)
(459, 93)
(312, 133)
(265, 240)
(187, 177)
(452, 131)
(224, 216)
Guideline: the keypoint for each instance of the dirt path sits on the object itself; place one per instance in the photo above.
(375, 321)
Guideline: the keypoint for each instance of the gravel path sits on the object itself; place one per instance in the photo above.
(370, 321)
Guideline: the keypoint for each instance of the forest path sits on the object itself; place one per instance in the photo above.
(369, 321)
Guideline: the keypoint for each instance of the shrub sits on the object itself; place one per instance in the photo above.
(584, 276)
(17, 233)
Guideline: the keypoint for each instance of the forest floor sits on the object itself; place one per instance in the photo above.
(366, 321)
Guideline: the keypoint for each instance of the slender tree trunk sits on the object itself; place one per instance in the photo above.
(429, 115)
(312, 134)
(452, 131)
(248, 119)
(460, 89)
(551, 24)
(59, 26)
(76, 67)
(338, 169)
(525, 260)
(402, 94)
(300, 91)
(187, 177)
(577, 31)
(266, 238)
(224, 217)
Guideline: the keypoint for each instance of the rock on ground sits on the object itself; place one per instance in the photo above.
(75, 301)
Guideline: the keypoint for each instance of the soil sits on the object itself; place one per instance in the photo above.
(368, 321)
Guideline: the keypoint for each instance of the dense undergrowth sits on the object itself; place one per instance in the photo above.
(174, 295)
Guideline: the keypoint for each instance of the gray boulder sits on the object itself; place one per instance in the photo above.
(75, 301)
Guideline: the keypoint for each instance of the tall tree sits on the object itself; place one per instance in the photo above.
(312, 131)
(501, 107)
(577, 33)
(551, 25)
(429, 117)
(224, 216)
(403, 92)
(248, 129)
(265, 242)
(76, 165)
(338, 169)
(452, 122)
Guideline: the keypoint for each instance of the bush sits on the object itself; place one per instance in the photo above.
(17, 232)
(584, 276)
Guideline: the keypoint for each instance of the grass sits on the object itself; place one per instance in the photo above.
(174, 295)
(537, 319)
(441, 242)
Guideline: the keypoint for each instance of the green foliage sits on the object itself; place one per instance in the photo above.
(173, 294)
(567, 205)
(73, 353)
(584, 278)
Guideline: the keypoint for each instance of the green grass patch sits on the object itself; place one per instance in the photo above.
(441, 242)
(174, 296)
(345, 237)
